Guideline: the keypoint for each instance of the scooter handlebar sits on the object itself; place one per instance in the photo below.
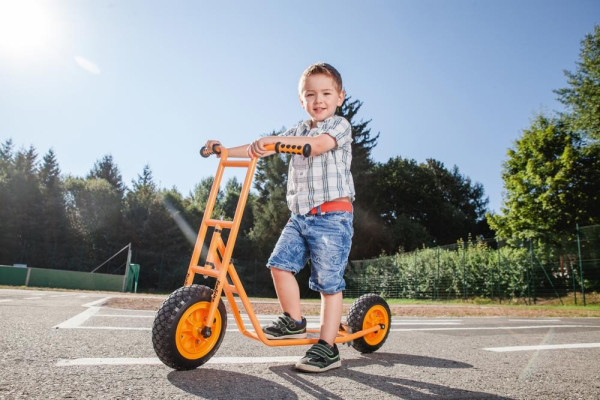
(303, 150)
(206, 152)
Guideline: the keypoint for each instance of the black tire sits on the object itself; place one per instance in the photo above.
(366, 311)
(185, 309)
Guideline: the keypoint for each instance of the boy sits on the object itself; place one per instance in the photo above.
(320, 192)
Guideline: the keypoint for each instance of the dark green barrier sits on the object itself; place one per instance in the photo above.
(55, 278)
(13, 276)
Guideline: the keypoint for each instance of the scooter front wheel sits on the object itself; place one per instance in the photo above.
(367, 311)
(178, 332)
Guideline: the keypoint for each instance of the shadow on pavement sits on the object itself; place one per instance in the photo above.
(221, 384)
(395, 387)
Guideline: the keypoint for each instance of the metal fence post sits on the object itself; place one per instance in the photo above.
(437, 277)
(580, 264)
(529, 271)
(499, 269)
(464, 273)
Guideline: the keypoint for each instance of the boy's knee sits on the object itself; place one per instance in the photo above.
(278, 272)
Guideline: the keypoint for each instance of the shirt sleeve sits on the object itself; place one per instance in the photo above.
(339, 129)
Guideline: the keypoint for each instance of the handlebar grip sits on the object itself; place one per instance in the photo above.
(206, 152)
(293, 149)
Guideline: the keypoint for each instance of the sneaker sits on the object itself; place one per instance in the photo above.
(286, 327)
(320, 358)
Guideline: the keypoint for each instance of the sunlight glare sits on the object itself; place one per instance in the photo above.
(26, 28)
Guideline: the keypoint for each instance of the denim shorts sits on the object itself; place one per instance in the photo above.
(325, 240)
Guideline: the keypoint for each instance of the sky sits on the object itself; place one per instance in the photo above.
(149, 81)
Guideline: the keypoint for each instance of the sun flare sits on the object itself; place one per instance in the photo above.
(26, 27)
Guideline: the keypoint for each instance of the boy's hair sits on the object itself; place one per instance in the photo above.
(321, 68)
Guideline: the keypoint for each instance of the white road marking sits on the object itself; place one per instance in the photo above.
(96, 302)
(76, 321)
(425, 323)
(5, 300)
(156, 361)
(534, 320)
(544, 347)
(32, 298)
(492, 328)
(124, 316)
(108, 328)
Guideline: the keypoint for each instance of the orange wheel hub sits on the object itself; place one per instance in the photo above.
(377, 315)
(188, 337)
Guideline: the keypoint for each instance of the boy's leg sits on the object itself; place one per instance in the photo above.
(290, 324)
(288, 292)
(331, 316)
(325, 355)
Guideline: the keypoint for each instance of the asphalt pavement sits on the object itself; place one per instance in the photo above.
(66, 344)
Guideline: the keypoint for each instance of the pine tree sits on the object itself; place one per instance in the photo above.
(582, 97)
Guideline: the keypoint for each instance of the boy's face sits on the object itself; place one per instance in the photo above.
(319, 97)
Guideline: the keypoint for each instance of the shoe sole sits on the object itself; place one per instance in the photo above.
(295, 336)
(314, 368)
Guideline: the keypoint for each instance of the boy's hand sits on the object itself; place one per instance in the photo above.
(258, 147)
(210, 143)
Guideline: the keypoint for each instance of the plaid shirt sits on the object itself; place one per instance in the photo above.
(315, 180)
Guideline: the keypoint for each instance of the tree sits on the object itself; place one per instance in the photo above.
(270, 208)
(424, 204)
(8, 242)
(109, 171)
(54, 223)
(582, 97)
(94, 209)
(159, 245)
(200, 194)
(366, 222)
(23, 206)
(361, 134)
(551, 183)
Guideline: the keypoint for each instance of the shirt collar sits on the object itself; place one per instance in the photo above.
(306, 123)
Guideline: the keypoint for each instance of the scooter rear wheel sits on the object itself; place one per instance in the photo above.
(367, 311)
(177, 333)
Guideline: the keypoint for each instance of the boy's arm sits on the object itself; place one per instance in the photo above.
(235, 152)
(319, 144)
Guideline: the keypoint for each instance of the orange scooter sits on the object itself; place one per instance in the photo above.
(191, 323)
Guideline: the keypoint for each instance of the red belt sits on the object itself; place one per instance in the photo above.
(331, 206)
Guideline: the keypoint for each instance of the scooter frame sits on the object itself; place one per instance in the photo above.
(218, 265)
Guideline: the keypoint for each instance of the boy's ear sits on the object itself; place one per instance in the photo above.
(341, 98)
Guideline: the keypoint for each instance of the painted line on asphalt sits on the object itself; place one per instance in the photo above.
(76, 321)
(96, 302)
(123, 316)
(5, 300)
(108, 328)
(156, 361)
(543, 347)
(76, 324)
(534, 320)
(425, 323)
(32, 298)
(492, 328)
